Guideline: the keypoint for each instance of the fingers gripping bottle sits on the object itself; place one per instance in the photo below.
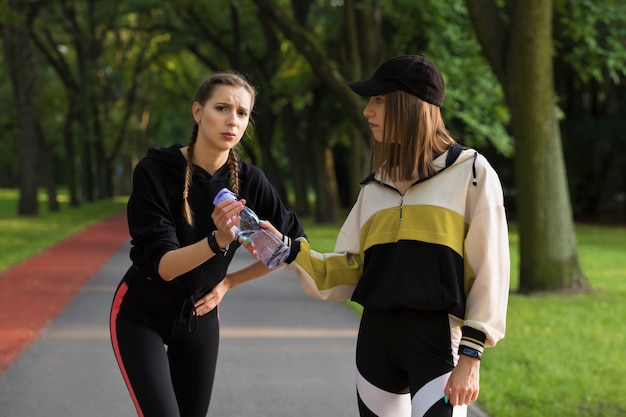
(271, 250)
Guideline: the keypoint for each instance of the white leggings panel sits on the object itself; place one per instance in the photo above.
(388, 404)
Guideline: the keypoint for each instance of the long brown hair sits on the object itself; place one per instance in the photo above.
(413, 136)
(203, 94)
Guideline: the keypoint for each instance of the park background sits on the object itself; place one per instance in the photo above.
(86, 87)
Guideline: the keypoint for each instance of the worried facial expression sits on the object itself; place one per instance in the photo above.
(374, 112)
(223, 119)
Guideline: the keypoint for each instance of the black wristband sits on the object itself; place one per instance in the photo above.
(215, 247)
(471, 352)
(294, 250)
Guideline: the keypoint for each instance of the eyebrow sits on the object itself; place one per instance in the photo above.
(228, 103)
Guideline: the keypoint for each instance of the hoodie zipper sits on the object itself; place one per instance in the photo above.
(448, 164)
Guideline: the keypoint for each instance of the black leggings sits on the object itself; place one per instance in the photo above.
(404, 358)
(166, 381)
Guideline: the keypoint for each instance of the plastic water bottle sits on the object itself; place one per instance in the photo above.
(271, 250)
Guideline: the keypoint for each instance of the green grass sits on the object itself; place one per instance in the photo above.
(562, 355)
(22, 237)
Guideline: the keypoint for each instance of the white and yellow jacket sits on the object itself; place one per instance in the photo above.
(443, 246)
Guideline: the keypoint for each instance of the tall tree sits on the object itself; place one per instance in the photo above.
(99, 51)
(328, 81)
(56, 32)
(226, 25)
(386, 29)
(519, 50)
(324, 67)
(590, 74)
(365, 49)
(266, 57)
(19, 61)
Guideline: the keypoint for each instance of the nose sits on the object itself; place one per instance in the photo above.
(232, 119)
(367, 111)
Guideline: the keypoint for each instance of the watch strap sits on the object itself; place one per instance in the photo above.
(215, 247)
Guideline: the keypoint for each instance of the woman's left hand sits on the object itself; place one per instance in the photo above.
(463, 385)
(249, 245)
(213, 298)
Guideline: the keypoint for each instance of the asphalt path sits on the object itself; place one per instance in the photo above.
(282, 354)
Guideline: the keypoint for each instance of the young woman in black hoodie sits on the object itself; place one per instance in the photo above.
(164, 317)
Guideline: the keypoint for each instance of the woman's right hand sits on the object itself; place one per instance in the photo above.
(226, 216)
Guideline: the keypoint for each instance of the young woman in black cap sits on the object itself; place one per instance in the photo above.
(164, 317)
(424, 250)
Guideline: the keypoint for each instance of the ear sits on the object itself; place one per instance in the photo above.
(196, 111)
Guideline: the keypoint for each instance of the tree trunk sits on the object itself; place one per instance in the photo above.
(327, 193)
(86, 133)
(548, 249)
(265, 127)
(353, 16)
(359, 15)
(71, 118)
(354, 73)
(19, 61)
(295, 151)
(359, 164)
(48, 171)
(623, 171)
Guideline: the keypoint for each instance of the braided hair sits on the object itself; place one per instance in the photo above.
(203, 94)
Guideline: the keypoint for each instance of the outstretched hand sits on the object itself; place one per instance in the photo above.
(248, 244)
(270, 228)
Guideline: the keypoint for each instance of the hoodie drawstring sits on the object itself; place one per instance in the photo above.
(188, 313)
(474, 181)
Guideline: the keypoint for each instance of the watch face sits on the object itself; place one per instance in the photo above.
(470, 352)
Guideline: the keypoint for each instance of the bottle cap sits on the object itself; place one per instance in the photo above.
(223, 195)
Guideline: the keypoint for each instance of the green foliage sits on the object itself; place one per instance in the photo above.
(4, 11)
(8, 14)
(9, 130)
(150, 56)
(590, 71)
(474, 107)
(590, 37)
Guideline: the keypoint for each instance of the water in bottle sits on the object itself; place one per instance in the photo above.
(271, 250)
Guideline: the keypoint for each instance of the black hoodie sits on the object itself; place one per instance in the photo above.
(157, 225)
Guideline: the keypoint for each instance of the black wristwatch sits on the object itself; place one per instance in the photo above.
(215, 247)
(471, 352)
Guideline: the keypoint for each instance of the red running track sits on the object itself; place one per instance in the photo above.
(36, 290)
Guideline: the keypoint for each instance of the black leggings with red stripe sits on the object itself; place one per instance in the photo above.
(168, 369)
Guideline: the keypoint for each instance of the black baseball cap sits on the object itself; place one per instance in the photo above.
(413, 74)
